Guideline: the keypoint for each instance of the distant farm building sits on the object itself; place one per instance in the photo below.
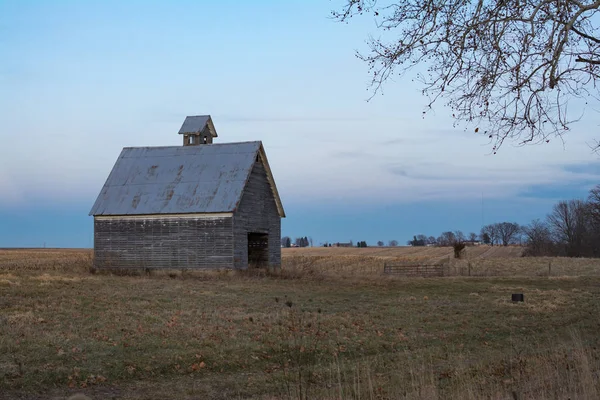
(200, 205)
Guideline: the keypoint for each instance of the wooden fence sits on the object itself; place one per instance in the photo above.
(414, 270)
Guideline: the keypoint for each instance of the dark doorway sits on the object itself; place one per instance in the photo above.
(258, 249)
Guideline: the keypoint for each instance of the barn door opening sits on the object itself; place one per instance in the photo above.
(258, 249)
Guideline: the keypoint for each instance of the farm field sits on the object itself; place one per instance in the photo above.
(481, 251)
(328, 326)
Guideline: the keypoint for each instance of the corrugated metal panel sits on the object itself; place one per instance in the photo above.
(196, 124)
(177, 179)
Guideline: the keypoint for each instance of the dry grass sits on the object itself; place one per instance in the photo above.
(305, 333)
(478, 261)
(407, 252)
(63, 260)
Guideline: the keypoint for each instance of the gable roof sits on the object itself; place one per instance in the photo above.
(197, 124)
(181, 179)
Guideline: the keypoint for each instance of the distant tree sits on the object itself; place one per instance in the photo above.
(393, 243)
(594, 204)
(459, 248)
(569, 224)
(485, 237)
(446, 239)
(418, 240)
(492, 232)
(431, 241)
(508, 232)
(286, 241)
(310, 241)
(538, 239)
(380, 243)
(459, 237)
(594, 221)
(301, 241)
(472, 237)
(572, 229)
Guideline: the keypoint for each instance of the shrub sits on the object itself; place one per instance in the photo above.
(459, 248)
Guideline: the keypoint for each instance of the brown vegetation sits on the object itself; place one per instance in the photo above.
(419, 252)
(326, 327)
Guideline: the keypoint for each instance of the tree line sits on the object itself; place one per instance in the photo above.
(305, 241)
(571, 229)
(501, 233)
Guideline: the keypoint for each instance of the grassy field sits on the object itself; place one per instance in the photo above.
(481, 251)
(328, 326)
(480, 261)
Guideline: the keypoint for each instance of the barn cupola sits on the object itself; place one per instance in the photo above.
(197, 129)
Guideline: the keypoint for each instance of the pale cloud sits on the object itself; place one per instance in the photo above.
(431, 165)
(312, 162)
(66, 114)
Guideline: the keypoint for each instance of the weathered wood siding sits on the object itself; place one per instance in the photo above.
(257, 212)
(164, 242)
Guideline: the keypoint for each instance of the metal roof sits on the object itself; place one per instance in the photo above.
(197, 123)
(180, 179)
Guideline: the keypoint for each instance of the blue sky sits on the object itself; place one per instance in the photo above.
(81, 80)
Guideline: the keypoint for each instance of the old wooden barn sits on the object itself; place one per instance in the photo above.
(200, 205)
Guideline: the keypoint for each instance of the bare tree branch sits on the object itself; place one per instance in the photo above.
(587, 60)
(508, 67)
(585, 35)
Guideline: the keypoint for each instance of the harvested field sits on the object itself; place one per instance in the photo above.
(295, 334)
(477, 261)
(408, 252)
(62, 260)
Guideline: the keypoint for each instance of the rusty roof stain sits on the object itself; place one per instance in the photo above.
(180, 179)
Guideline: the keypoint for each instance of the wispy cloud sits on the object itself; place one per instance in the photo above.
(392, 142)
(584, 168)
(323, 140)
(291, 118)
(353, 154)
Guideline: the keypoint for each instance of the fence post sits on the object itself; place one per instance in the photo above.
(549, 267)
